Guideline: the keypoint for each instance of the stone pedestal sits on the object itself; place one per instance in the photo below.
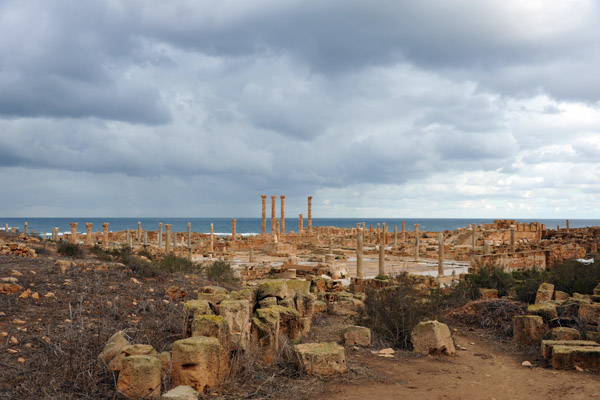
(73, 232)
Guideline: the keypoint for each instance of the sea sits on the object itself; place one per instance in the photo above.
(252, 226)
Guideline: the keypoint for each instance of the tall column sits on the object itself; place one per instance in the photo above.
(273, 226)
(309, 224)
(474, 237)
(189, 242)
(145, 238)
(568, 227)
(160, 235)
(105, 234)
(300, 221)
(416, 241)
(73, 232)
(263, 230)
(381, 259)
(378, 233)
(441, 254)
(167, 238)
(174, 241)
(212, 237)
(403, 232)
(395, 235)
(512, 239)
(278, 229)
(128, 238)
(5, 227)
(282, 214)
(26, 226)
(359, 253)
(88, 233)
(233, 222)
(139, 231)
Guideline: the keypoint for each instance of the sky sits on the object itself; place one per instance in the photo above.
(378, 108)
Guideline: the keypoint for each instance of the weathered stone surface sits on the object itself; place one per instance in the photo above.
(488, 293)
(357, 336)
(528, 329)
(196, 362)
(589, 313)
(181, 392)
(582, 297)
(210, 326)
(267, 302)
(548, 345)
(288, 302)
(305, 304)
(544, 293)
(131, 350)
(321, 358)
(563, 333)
(297, 286)
(165, 362)
(9, 288)
(140, 377)
(568, 357)
(544, 310)
(273, 288)
(245, 293)
(265, 328)
(289, 322)
(175, 293)
(561, 296)
(191, 309)
(320, 306)
(213, 290)
(432, 337)
(237, 315)
(593, 335)
(113, 347)
(213, 298)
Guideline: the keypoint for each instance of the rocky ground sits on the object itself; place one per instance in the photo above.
(50, 339)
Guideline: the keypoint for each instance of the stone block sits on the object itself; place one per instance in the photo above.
(113, 347)
(288, 302)
(140, 377)
(563, 333)
(267, 302)
(357, 336)
(265, 328)
(593, 335)
(210, 326)
(560, 296)
(305, 304)
(272, 288)
(236, 313)
(321, 358)
(289, 322)
(544, 310)
(488, 293)
(544, 293)
(297, 286)
(432, 337)
(528, 329)
(191, 309)
(245, 293)
(10, 288)
(568, 357)
(213, 298)
(320, 306)
(589, 313)
(196, 363)
(181, 392)
(213, 290)
(548, 345)
(131, 350)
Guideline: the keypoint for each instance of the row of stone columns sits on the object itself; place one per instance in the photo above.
(274, 229)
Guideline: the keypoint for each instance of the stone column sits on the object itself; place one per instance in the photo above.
(26, 226)
(5, 227)
(330, 242)
(139, 232)
(486, 247)
(512, 239)
(309, 224)
(160, 234)
(282, 214)
(416, 241)
(55, 233)
(474, 237)
(105, 235)
(167, 238)
(381, 259)
(395, 235)
(300, 221)
(174, 241)
(212, 237)
(233, 222)
(189, 226)
(145, 238)
(273, 226)
(128, 238)
(73, 232)
(88, 233)
(359, 254)
(278, 229)
(263, 230)
(403, 232)
(441, 254)
(568, 226)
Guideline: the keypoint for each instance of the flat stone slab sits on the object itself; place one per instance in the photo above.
(568, 357)
(321, 358)
(548, 345)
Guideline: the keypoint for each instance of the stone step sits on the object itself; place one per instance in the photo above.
(548, 345)
(568, 357)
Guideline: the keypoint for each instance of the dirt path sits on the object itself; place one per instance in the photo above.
(482, 371)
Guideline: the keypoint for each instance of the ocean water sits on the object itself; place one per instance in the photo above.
(252, 226)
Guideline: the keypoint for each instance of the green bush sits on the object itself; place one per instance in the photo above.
(100, 253)
(221, 271)
(491, 277)
(527, 282)
(571, 276)
(173, 263)
(69, 249)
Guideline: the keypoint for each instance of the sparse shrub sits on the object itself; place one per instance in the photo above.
(221, 271)
(571, 276)
(527, 283)
(491, 277)
(100, 253)
(173, 263)
(69, 249)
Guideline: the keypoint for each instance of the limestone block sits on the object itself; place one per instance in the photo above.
(432, 337)
(289, 322)
(305, 304)
(245, 293)
(589, 313)
(545, 310)
(582, 297)
(213, 290)
(272, 288)
(561, 296)
(140, 377)
(265, 328)
(320, 306)
(544, 293)
(236, 313)
(488, 293)
(288, 302)
(210, 326)
(568, 357)
(563, 333)
(181, 392)
(196, 362)
(213, 298)
(165, 362)
(357, 336)
(113, 347)
(191, 309)
(548, 345)
(297, 286)
(131, 350)
(267, 302)
(321, 358)
(528, 329)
